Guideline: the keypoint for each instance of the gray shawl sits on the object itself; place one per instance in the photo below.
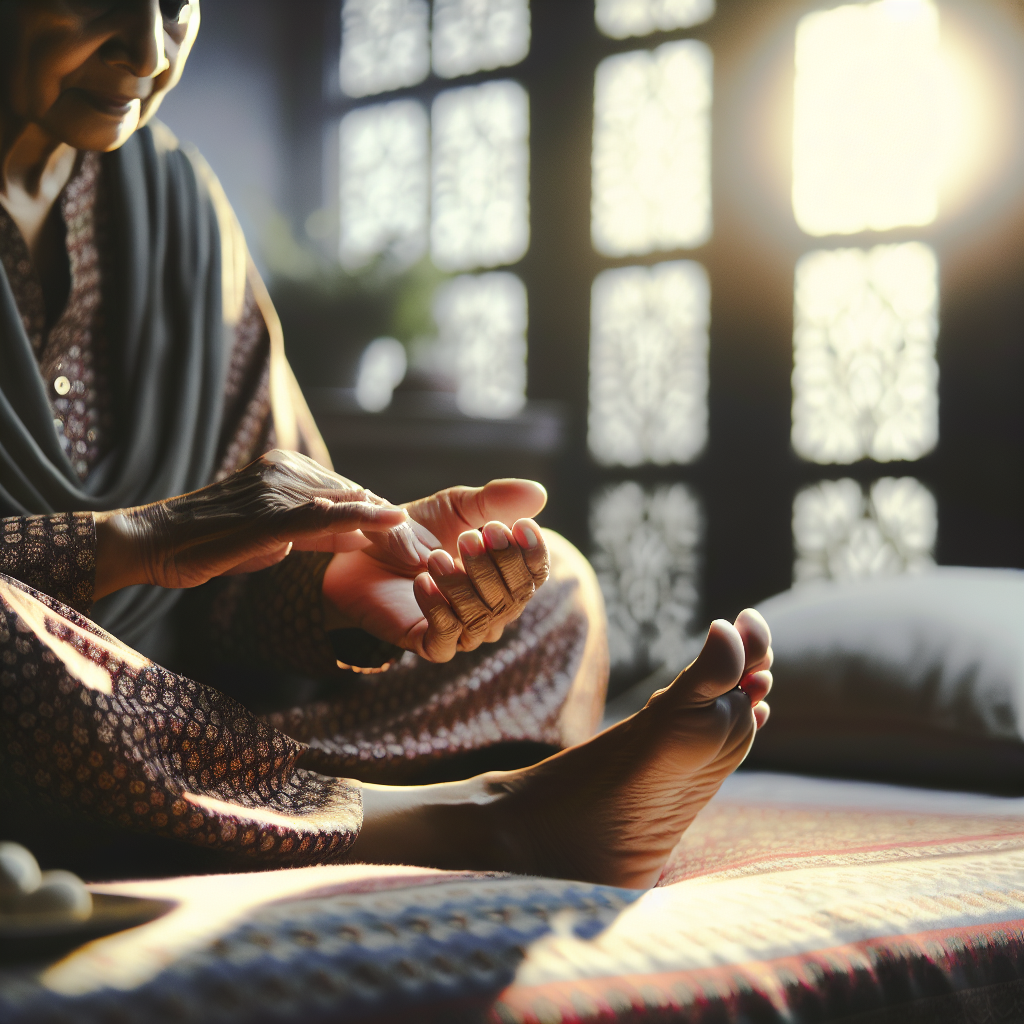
(168, 348)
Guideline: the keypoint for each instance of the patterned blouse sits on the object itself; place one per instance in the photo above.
(89, 729)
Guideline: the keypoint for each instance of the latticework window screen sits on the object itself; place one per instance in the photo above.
(867, 140)
(454, 181)
(674, 268)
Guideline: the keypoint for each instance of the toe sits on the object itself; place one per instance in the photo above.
(718, 667)
(761, 713)
(756, 685)
(757, 639)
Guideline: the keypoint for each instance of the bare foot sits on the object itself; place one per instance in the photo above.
(609, 810)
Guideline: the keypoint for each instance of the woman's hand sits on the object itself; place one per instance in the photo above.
(453, 605)
(469, 584)
(248, 521)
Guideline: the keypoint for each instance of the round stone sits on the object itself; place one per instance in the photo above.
(19, 872)
(60, 894)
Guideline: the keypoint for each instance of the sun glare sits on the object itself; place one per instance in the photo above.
(867, 138)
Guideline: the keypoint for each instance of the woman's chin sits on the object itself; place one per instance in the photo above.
(79, 123)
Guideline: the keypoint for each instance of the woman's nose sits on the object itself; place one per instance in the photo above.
(139, 40)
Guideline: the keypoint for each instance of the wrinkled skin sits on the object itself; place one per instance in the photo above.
(482, 560)
(247, 521)
(391, 574)
(608, 810)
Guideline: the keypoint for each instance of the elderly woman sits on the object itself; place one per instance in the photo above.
(160, 472)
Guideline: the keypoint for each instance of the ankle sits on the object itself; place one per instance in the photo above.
(449, 826)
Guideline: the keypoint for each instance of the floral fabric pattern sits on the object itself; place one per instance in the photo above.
(89, 724)
(55, 554)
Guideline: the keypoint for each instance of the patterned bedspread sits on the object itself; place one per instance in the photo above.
(789, 899)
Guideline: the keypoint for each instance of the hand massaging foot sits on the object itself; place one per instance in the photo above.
(609, 810)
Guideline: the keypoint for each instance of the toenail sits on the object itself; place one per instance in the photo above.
(471, 543)
(494, 534)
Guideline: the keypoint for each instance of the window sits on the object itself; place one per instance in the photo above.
(867, 141)
(384, 172)
(865, 379)
(649, 364)
(648, 367)
(867, 134)
(479, 35)
(481, 176)
(652, 150)
(459, 188)
(841, 532)
(646, 545)
(383, 45)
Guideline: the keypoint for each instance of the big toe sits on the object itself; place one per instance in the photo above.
(718, 667)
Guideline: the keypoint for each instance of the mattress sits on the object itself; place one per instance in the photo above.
(789, 899)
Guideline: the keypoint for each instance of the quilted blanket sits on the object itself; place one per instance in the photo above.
(789, 900)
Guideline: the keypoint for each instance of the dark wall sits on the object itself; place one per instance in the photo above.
(230, 104)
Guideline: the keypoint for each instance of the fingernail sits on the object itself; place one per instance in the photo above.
(529, 536)
(471, 544)
(441, 563)
(426, 584)
(495, 537)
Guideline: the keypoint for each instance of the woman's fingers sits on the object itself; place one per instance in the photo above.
(441, 639)
(404, 543)
(484, 574)
(530, 539)
(264, 561)
(450, 512)
(459, 592)
(322, 518)
(508, 557)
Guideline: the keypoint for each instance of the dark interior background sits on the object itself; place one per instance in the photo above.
(259, 99)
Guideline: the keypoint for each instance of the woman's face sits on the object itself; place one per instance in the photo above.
(90, 72)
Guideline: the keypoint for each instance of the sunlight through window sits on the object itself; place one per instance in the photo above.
(646, 546)
(481, 324)
(651, 169)
(841, 533)
(481, 165)
(382, 368)
(384, 45)
(383, 172)
(478, 35)
(867, 132)
(649, 364)
(865, 378)
(622, 18)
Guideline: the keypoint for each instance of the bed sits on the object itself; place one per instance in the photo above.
(792, 898)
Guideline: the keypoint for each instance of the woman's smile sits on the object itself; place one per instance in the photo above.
(112, 104)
